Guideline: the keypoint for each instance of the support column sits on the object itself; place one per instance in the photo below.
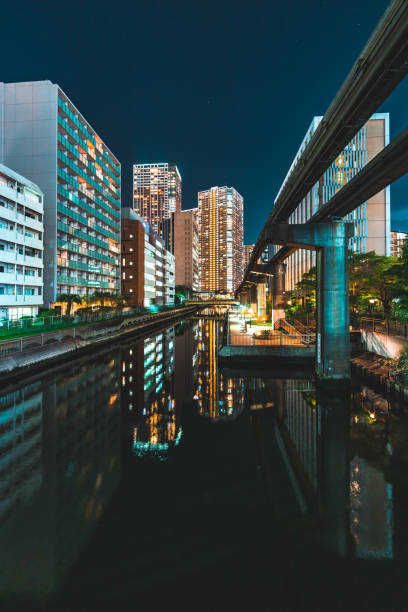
(244, 297)
(333, 335)
(253, 300)
(261, 299)
(278, 304)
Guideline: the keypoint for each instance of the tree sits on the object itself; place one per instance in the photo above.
(102, 297)
(400, 302)
(373, 277)
(69, 299)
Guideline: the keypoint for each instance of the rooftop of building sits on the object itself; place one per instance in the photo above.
(64, 95)
(20, 179)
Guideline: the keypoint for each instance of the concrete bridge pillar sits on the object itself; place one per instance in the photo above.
(253, 300)
(261, 299)
(278, 291)
(244, 297)
(333, 320)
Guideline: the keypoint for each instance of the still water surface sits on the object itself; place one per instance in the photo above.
(147, 477)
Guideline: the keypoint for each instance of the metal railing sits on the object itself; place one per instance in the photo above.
(273, 339)
(84, 330)
(287, 327)
(34, 325)
(380, 326)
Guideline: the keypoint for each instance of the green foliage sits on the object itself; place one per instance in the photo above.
(303, 298)
(48, 313)
(378, 286)
(376, 278)
(69, 299)
(403, 363)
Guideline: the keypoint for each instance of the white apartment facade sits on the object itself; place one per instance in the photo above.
(159, 271)
(21, 245)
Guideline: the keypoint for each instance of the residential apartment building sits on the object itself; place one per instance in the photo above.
(246, 255)
(371, 219)
(21, 245)
(220, 230)
(45, 137)
(186, 248)
(397, 240)
(148, 270)
(156, 192)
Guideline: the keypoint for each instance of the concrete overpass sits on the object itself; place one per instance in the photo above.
(381, 66)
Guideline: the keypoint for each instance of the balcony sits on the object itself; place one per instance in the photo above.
(21, 300)
(8, 278)
(12, 215)
(20, 238)
(15, 196)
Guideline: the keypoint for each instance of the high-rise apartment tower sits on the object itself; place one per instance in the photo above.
(220, 229)
(44, 137)
(156, 192)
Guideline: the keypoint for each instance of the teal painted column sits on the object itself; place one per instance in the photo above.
(333, 321)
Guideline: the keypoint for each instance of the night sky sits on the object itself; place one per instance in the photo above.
(226, 89)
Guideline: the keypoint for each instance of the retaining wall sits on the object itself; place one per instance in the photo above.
(382, 344)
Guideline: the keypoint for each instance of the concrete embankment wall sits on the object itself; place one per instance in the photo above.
(282, 354)
(382, 344)
(88, 339)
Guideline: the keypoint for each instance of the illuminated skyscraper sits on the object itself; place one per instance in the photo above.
(220, 215)
(246, 255)
(156, 192)
(371, 219)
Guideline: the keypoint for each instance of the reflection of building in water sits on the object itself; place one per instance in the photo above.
(371, 510)
(313, 434)
(80, 440)
(219, 397)
(298, 417)
(20, 446)
(186, 361)
(371, 496)
(148, 402)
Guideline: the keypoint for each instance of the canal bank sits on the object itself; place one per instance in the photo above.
(32, 353)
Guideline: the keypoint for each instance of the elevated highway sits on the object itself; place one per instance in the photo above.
(380, 67)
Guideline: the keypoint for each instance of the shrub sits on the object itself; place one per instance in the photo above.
(403, 363)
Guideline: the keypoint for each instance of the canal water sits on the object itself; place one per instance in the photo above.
(147, 477)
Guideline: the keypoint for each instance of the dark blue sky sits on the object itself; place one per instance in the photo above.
(226, 89)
